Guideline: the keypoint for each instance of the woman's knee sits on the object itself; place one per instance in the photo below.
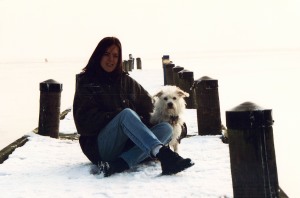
(167, 127)
(127, 112)
(163, 131)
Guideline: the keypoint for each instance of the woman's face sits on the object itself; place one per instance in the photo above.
(110, 59)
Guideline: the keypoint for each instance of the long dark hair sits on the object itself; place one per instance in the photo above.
(103, 45)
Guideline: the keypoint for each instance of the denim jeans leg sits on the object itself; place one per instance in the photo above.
(126, 124)
(163, 132)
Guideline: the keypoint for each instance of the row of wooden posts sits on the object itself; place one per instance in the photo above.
(128, 65)
(204, 96)
(249, 127)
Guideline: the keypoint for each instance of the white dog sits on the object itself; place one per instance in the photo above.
(169, 106)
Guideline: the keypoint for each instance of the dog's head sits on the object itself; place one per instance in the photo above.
(170, 99)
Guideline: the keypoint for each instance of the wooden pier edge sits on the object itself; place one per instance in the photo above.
(6, 151)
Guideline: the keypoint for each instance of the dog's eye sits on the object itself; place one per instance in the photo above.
(174, 98)
(165, 98)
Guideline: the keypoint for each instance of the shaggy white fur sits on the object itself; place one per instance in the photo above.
(169, 106)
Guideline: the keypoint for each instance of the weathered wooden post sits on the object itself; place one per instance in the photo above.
(175, 71)
(129, 62)
(186, 80)
(252, 152)
(123, 66)
(208, 106)
(50, 92)
(138, 63)
(165, 61)
(126, 66)
(169, 74)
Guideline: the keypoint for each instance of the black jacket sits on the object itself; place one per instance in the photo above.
(98, 98)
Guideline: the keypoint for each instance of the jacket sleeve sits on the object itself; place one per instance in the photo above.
(145, 107)
(88, 117)
(144, 104)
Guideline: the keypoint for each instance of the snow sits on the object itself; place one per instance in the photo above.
(48, 167)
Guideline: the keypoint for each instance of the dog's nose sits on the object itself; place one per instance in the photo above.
(170, 105)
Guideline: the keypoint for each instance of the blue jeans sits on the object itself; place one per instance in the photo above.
(128, 125)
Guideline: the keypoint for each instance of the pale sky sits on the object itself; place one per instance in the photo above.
(72, 28)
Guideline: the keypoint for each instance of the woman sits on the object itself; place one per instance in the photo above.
(112, 112)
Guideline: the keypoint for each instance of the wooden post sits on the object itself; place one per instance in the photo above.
(50, 92)
(169, 74)
(138, 63)
(252, 152)
(123, 66)
(175, 71)
(129, 62)
(208, 106)
(165, 61)
(126, 65)
(132, 64)
(186, 80)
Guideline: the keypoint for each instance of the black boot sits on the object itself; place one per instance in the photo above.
(116, 166)
(171, 162)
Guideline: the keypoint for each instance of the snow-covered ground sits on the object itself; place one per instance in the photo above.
(47, 167)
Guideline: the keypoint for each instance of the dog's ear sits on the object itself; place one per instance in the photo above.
(182, 93)
(158, 94)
